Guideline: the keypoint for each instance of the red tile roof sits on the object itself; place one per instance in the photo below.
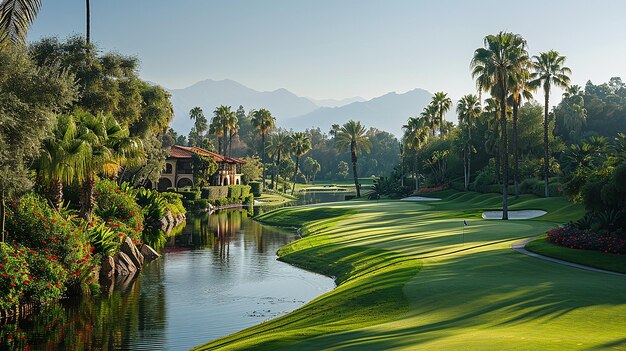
(178, 151)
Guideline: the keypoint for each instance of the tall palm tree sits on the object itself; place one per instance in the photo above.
(468, 110)
(264, 122)
(279, 146)
(16, 16)
(520, 89)
(61, 159)
(200, 124)
(442, 103)
(110, 147)
(430, 114)
(492, 67)
(492, 144)
(233, 129)
(220, 126)
(352, 136)
(88, 18)
(416, 134)
(549, 69)
(300, 145)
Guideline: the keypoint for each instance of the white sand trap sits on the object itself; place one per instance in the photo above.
(523, 214)
(419, 198)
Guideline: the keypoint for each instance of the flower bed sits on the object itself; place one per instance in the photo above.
(575, 238)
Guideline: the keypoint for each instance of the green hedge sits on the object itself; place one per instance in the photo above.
(214, 192)
(238, 191)
(190, 195)
(256, 188)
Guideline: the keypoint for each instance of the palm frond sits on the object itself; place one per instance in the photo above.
(16, 16)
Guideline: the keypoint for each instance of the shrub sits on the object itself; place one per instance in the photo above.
(238, 192)
(174, 203)
(484, 179)
(256, 188)
(214, 192)
(190, 195)
(575, 238)
(119, 209)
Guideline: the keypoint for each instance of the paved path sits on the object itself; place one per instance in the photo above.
(521, 248)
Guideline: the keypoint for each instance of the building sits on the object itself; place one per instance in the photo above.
(178, 172)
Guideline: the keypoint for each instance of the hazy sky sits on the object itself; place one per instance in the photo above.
(339, 48)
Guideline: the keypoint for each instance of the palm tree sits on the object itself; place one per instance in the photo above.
(352, 136)
(15, 18)
(430, 114)
(233, 129)
(280, 145)
(220, 126)
(416, 134)
(520, 89)
(263, 121)
(200, 124)
(492, 67)
(110, 147)
(442, 103)
(549, 70)
(61, 159)
(88, 17)
(300, 145)
(468, 110)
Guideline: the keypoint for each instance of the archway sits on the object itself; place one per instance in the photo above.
(164, 184)
(184, 182)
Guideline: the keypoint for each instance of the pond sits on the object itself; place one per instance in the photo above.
(218, 276)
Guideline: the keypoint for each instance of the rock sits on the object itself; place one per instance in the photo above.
(124, 265)
(107, 268)
(133, 253)
(149, 253)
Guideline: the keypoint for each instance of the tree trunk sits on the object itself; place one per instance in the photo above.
(230, 145)
(88, 21)
(3, 218)
(465, 182)
(505, 159)
(515, 150)
(546, 158)
(55, 193)
(86, 198)
(354, 160)
(295, 174)
(263, 157)
(469, 156)
(275, 169)
(441, 124)
(497, 152)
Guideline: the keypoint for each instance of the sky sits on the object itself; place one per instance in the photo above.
(339, 48)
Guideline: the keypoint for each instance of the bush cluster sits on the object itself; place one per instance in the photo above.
(118, 209)
(574, 238)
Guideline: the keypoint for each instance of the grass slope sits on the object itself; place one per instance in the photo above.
(407, 281)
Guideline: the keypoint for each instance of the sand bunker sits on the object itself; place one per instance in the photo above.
(523, 214)
(419, 198)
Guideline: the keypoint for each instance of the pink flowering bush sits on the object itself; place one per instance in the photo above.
(574, 238)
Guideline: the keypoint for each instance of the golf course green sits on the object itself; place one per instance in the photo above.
(411, 276)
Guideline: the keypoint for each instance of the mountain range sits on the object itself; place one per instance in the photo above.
(387, 112)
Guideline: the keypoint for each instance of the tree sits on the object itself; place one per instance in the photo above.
(88, 20)
(203, 169)
(442, 104)
(264, 122)
(61, 159)
(200, 126)
(111, 147)
(16, 16)
(342, 169)
(300, 145)
(416, 134)
(232, 124)
(30, 96)
(430, 114)
(279, 146)
(468, 110)
(311, 167)
(492, 67)
(252, 169)
(352, 136)
(549, 70)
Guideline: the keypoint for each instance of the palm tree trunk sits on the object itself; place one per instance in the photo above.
(441, 124)
(295, 174)
(465, 182)
(86, 198)
(505, 159)
(354, 160)
(515, 150)
(469, 156)
(2, 214)
(263, 156)
(545, 142)
(88, 22)
(230, 145)
(497, 152)
(55, 193)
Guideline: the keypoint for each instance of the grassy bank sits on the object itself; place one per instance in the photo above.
(407, 281)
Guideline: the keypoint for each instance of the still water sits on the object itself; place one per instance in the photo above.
(218, 276)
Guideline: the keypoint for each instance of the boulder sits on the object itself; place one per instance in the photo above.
(124, 265)
(133, 253)
(107, 268)
(149, 253)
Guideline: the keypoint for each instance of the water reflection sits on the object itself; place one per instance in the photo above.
(218, 276)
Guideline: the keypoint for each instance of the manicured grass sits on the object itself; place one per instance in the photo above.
(272, 199)
(596, 259)
(407, 281)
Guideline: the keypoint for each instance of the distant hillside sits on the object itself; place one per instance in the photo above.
(210, 93)
(388, 112)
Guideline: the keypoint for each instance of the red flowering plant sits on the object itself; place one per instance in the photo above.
(583, 239)
(44, 231)
(14, 272)
(118, 209)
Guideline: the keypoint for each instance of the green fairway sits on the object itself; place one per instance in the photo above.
(409, 279)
